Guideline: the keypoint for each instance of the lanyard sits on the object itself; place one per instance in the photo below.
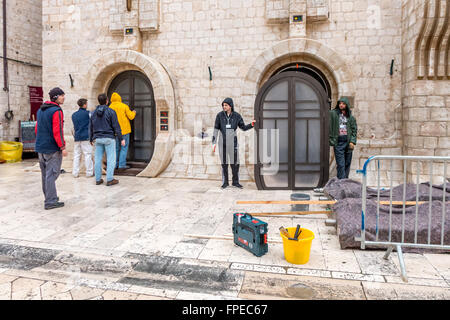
(228, 117)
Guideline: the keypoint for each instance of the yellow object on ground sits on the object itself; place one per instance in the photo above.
(11, 151)
(297, 252)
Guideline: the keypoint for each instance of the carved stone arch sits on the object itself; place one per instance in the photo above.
(108, 66)
(313, 52)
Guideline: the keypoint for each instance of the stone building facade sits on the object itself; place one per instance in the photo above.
(426, 81)
(24, 53)
(195, 53)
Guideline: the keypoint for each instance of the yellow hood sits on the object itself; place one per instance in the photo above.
(116, 97)
(124, 114)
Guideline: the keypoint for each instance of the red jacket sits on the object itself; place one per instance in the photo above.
(57, 126)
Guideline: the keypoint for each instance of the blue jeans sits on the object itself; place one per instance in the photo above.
(343, 155)
(103, 145)
(121, 152)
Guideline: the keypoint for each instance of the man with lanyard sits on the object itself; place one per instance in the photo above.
(227, 121)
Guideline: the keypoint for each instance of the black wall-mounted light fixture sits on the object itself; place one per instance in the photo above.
(9, 115)
(391, 72)
(71, 80)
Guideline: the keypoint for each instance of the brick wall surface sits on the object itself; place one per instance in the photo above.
(228, 35)
(426, 102)
(24, 33)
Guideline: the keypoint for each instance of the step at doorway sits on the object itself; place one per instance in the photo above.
(136, 167)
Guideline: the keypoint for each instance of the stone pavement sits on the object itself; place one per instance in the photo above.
(127, 242)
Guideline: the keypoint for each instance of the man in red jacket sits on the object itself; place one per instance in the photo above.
(50, 145)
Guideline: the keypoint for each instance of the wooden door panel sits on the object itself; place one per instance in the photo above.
(296, 105)
(137, 92)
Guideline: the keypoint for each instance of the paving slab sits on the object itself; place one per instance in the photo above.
(56, 291)
(372, 262)
(187, 250)
(5, 291)
(441, 262)
(149, 291)
(184, 295)
(341, 260)
(299, 287)
(40, 274)
(119, 239)
(148, 297)
(21, 257)
(389, 291)
(85, 293)
(175, 274)
(6, 278)
(418, 281)
(309, 272)
(417, 265)
(357, 276)
(119, 295)
(26, 289)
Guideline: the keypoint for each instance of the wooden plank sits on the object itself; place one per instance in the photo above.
(205, 236)
(395, 203)
(270, 240)
(288, 202)
(224, 237)
(262, 214)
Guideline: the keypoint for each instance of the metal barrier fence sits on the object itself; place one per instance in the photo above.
(389, 243)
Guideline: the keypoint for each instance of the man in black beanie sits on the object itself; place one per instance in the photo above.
(227, 121)
(50, 145)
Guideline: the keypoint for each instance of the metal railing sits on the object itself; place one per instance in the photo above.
(389, 243)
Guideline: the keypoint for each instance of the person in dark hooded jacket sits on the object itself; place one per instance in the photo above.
(50, 145)
(104, 128)
(343, 132)
(227, 121)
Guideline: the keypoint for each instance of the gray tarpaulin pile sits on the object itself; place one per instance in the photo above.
(348, 213)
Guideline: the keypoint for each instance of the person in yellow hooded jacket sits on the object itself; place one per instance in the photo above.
(124, 115)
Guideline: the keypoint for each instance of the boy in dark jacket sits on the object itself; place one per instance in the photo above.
(227, 121)
(80, 121)
(343, 132)
(50, 145)
(104, 127)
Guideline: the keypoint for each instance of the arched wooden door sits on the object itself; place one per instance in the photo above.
(296, 105)
(136, 91)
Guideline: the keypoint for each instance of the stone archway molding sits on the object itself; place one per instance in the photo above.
(109, 65)
(336, 65)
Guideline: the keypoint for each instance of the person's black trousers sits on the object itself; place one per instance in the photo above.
(343, 155)
(234, 171)
(229, 155)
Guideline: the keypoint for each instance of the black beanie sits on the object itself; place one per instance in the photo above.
(54, 93)
(229, 101)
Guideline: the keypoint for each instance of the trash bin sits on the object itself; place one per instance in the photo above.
(297, 252)
(300, 197)
(11, 151)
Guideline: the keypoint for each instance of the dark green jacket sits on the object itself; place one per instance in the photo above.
(352, 128)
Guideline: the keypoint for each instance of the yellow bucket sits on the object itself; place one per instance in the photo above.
(11, 151)
(297, 252)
